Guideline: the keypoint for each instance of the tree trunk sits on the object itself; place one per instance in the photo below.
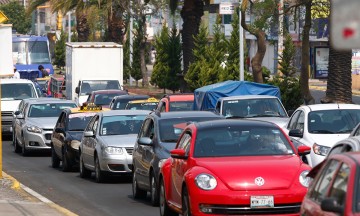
(305, 58)
(116, 25)
(191, 14)
(143, 52)
(339, 77)
(256, 61)
(82, 27)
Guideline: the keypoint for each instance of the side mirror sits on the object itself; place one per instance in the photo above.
(178, 153)
(77, 90)
(331, 205)
(17, 112)
(296, 133)
(303, 150)
(59, 130)
(88, 134)
(20, 116)
(145, 141)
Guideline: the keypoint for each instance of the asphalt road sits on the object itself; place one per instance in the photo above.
(81, 196)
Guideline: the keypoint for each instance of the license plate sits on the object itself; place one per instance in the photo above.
(262, 201)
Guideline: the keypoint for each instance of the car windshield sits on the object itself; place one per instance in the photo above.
(333, 121)
(181, 105)
(241, 141)
(48, 109)
(94, 85)
(31, 52)
(121, 124)
(251, 108)
(78, 121)
(104, 99)
(17, 91)
(142, 106)
(170, 129)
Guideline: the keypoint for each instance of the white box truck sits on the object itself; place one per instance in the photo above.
(6, 60)
(92, 66)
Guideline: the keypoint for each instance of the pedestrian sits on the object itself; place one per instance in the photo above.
(16, 74)
(43, 71)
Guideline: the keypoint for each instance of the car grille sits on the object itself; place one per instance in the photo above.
(239, 210)
(6, 117)
(129, 150)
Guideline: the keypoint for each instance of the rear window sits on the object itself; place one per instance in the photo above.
(181, 105)
(48, 109)
(17, 91)
(78, 121)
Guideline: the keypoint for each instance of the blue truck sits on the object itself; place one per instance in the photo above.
(28, 53)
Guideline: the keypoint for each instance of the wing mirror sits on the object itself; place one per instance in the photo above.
(145, 141)
(77, 90)
(178, 153)
(303, 150)
(296, 133)
(88, 134)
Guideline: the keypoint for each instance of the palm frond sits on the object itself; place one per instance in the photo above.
(173, 6)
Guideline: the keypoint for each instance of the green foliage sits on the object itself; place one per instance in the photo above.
(174, 60)
(60, 50)
(291, 96)
(126, 63)
(136, 65)
(265, 73)
(161, 67)
(17, 17)
(287, 58)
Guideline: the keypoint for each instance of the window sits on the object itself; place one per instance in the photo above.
(162, 107)
(185, 143)
(322, 185)
(293, 120)
(148, 129)
(300, 121)
(339, 187)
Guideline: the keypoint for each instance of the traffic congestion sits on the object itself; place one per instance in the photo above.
(239, 161)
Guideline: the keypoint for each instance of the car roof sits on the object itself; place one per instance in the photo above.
(247, 97)
(9, 81)
(125, 112)
(332, 106)
(119, 97)
(41, 99)
(149, 100)
(182, 114)
(51, 101)
(109, 91)
(234, 122)
(179, 97)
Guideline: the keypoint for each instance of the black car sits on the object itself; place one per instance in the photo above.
(66, 137)
(119, 102)
(158, 135)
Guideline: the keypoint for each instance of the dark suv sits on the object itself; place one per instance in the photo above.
(158, 135)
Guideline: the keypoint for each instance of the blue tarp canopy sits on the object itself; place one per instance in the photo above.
(207, 96)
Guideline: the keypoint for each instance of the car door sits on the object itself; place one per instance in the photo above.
(58, 138)
(20, 123)
(297, 122)
(319, 189)
(88, 143)
(179, 168)
(147, 156)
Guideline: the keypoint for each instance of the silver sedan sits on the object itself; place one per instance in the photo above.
(108, 141)
(34, 123)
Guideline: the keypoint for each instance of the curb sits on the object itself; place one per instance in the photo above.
(30, 194)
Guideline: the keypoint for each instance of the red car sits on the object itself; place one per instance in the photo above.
(232, 167)
(176, 102)
(335, 189)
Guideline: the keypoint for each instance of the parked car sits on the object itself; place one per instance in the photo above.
(104, 97)
(233, 167)
(34, 123)
(148, 104)
(157, 137)
(67, 134)
(108, 142)
(176, 102)
(120, 102)
(335, 189)
(320, 126)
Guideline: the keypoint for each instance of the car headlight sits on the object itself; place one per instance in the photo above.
(34, 129)
(320, 150)
(206, 181)
(114, 150)
(303, 179)
(161, 163)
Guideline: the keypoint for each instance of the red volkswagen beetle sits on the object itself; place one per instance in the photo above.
(233, 167)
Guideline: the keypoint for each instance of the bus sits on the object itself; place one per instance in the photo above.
(28, 53)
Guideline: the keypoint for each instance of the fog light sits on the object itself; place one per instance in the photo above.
(205, 209)
(32, 144)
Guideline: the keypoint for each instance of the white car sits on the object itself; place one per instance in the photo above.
(320, 126)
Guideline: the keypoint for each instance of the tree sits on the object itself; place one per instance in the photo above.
(161, 66)
(60, 50)
(174, 60)
(136, 71)
(126, 62)
(17, 17)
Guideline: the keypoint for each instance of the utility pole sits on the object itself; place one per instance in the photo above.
(38, 21)
(131, 41)
(281, 32)
(69, 26)
(241, 46)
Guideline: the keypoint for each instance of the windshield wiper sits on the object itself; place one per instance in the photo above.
(264, 115)
(322, 132)
(345, 131)
(234, 117)
(170, 140)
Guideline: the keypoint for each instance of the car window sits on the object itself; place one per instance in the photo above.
(60, 122)
(293, 120)
(162, 106)
(79, 121)
(184, 143)
(91, 124)
(181, 105)
(322, 185)
(94, 128)
(121, 124)
(300, 122)
(339, 187)
(148, 129)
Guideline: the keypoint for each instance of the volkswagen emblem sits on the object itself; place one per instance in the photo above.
(259, 181)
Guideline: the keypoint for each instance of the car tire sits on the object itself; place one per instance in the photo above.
(84, 173)
(154, 191)
(24, 150)
(13, 137)
(99, 175)
(17, 148)
(186, 211)
(137, 192)
(55, 161)
(165, 210)
(66, 166)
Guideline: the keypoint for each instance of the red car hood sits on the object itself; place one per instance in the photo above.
(239, 173)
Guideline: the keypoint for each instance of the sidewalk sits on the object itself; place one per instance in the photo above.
(19, 200)
(321, 85)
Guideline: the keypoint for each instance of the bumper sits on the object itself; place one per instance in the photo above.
(226, 202)
(116, 164)
(37, 141)
(315, 159)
